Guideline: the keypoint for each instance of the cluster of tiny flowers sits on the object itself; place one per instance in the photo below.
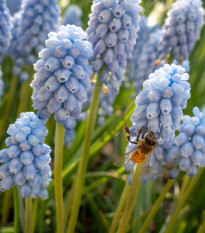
(72, 16)
(142, 37)
(182, 28)
(191, 142)
(69, 137)
(185, 64)
(32, 25)
(62, 75)
(144, 64)
(26, 160)
(160, 104)
(13, 6)
(1, 86)
(106, 101)
(5, 29)
(112, 30)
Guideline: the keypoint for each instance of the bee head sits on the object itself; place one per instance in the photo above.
(150, 138)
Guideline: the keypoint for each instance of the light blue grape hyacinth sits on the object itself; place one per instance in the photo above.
(107, 98)
(31, 27)
(191, 142)
(62, 75)
(112, 30)
(185, 64)
(72, 16)
(142, 36)
(5, 29)
(182, 28)
(14, 6)
(159, 106)
(1, 85)
(25, 161)
(106, 101)
(144, 63)
(69, 137)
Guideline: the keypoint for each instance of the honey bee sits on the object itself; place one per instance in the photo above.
(142, 153)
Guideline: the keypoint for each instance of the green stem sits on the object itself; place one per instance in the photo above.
(69, 201)
(85, 154)
(28, 215)
(156, 205)
(16, 209)
(21, 210)
(119, 208)
(184, 186)
(6, 205)
(58, 163)
(182, 200)
(35, 209)
(9, 102)
(41, 218)
(24, 97)
(130, 202)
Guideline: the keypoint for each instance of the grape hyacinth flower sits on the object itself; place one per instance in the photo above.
(142, 36)
(185, 64)
(62, 75)
(32, 25)
(73, 16)
(1, 85)
(13, 7)
(143, 63)
(182, 28)
(160, 104)
(69, 137)
(26, 158)
(112, 30)
(5, 29)
(106, 100)
(191, 142)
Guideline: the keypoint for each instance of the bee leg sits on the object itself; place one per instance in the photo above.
(138, 135)
(127, 133)
(144, 133)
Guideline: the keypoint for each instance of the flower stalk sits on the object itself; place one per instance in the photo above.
(119, 208)
(58, 162)
(130, 202)
(28, 215)
(16, 209)
(24, 96)
(85, 154)
(34, 217)
(5, 208)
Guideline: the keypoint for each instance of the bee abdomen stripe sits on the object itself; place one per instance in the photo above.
(138, 158)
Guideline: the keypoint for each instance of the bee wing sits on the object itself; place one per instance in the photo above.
(121, 161)
(145, 166)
